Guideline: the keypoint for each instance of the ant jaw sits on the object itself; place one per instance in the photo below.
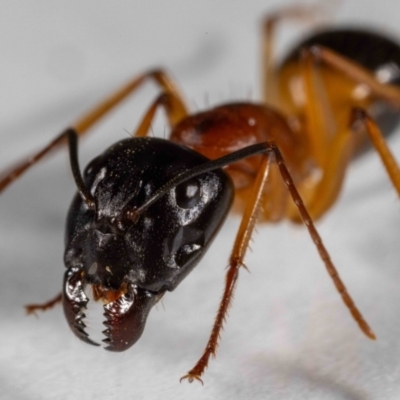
(125, 310)
(75, 303)
(126, 318)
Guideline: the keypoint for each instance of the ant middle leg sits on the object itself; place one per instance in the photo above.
(82, 125)
(160, 77)
(168, 102)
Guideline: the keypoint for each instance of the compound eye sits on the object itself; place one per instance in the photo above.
(91, 167)
(186, 253)
(188, 194)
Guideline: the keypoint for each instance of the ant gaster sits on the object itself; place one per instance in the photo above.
(147, 209)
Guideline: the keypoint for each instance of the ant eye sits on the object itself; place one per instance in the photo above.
(185, 253)
(90, 167)
(188, 194)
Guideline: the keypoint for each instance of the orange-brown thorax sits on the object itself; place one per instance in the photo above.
(224, 129)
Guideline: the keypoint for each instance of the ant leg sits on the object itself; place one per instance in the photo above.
(241, 245)
(321, 248)
(158, 76)
(269, 25)
(386, 92)
(165, 100)
(178, 111)
(320, 123)
(392, 168)
(32, 308)
(327, 190)
(236, 261)
(330, 143)
(324, 193)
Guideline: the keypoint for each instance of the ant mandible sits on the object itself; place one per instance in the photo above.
(147, 209)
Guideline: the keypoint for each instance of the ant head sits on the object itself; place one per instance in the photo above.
(141, 232)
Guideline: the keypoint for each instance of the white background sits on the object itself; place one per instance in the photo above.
(288, 336)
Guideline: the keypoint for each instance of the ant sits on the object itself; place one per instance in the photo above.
(147, 209)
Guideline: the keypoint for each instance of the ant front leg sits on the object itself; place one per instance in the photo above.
(236, 261)
(271, 153)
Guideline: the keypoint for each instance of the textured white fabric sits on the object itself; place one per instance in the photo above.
(288, 336)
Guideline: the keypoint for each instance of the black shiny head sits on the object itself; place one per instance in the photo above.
(130, 263)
